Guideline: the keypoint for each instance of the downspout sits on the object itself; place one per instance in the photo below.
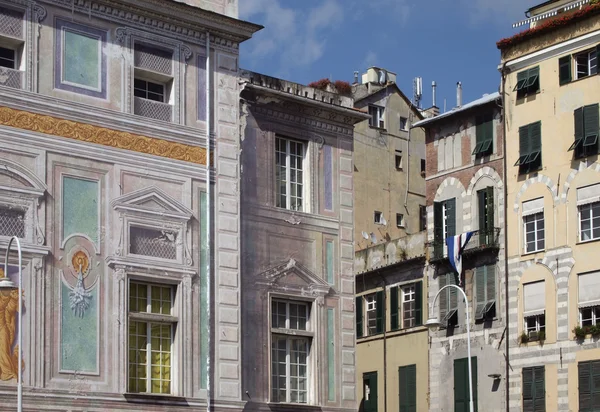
(409, 126)
(384, 342)
(504, 145)
(208, 228)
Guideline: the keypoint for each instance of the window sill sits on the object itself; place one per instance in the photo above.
(284, 406)
(294, 332)
(583, 242)
(381, 129)
(153, 398)
(532, 252)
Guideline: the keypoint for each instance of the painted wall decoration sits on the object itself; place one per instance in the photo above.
(80, 208)
(9, 350)
(79, 297)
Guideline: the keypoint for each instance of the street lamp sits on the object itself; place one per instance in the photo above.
(433, 323)
(6, 283)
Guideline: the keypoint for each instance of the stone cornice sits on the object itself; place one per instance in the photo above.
(174, 20)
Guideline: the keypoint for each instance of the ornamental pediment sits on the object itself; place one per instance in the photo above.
(292, 275)
(153, 201)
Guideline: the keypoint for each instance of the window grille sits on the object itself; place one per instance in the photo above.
(11, 23)
(154, 59)
(151, 242)
(12, 222)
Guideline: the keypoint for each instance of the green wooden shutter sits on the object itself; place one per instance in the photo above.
(402, 388)
(438, 229)
(418, 303)
(521, 80)
(489, 207)
(474, 378)
(490, 283)
(370, 380)
(481, 200)
(444, 301)
(380, 308)
(577, 145)
(533, 80)
(461, 386)
(535, 158)
(451, 217)
(527, 387)
(585, 386)
(597, 57)
(452, 292)
(407, 390)
(359, 317)
(595, 384)
(394, 308)
(480, 283)
(564, 70)
(479, 130)
(524, 146)
(539, 388)
(591, 125)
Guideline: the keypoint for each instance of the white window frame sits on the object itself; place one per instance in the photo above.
(304, 199)
(595, 315)
(536, 231)
(591, 56)
(403, 127)
(400, 220)
(290, 335)
(409, 295)
(591, 207)
(377, 118)
(370, 310)
(445, 224)
(398, 160)
(538, 324)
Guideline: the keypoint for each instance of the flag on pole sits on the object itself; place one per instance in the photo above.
(456, 244)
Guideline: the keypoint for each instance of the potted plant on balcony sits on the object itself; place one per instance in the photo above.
(579, 333)
(524, 338)
(595, 331)
(541, 336)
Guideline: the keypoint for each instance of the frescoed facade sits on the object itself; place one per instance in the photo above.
(104, 115)
(551, 94)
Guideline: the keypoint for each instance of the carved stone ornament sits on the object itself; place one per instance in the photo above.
(293, 278)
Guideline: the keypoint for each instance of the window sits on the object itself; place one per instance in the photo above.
(12, 222)
(403, 123)
(289, 173)
(589, 299)
(407, 382)
(462, 392)
(399, 220)
(586, 127)
(406, 302)
(423, 167)
(448, 300)
(444, 223)
(151, 332)
(377, 119)
(528, 82)
(11, 39)
(530, 148)
(8, 58)
(534, 389)
(398, 159)
(484, 135)
(534, 304)
(534, 232)
(422, 218)
(369, 307)
(589, 221)
(370, 392)
(153, 242)
(149, 90)
(564, 70)
(586, 64)
(289, 351)
(485, 292)
(589, 390)
(485, 202)
(152, 83)
(378, 218)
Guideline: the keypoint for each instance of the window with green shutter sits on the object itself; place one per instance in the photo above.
(485, 200)
(586, 126)
(534, 389)
(407, 391)
(589, 386)
(380, 307)
(370, 392)
(528, 82)
(484, 135)
(448, 300)
(359, 317)
(530, 148)
(394, 322)
(485, 292)
(444, 224)
(564, 70)
(461, 384)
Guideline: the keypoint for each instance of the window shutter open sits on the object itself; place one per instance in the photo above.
(578, 127)
(490, 210)
(535, 131)
(524, 149)
(479, 130)
(481, 209)
(461, 385)
(480, 283)
(591, 126)
(442, 279)
(474, 378)
(585, 383)
(564, 70)
(451, 216)
(438, 220)
(453, 293)
(490, 283)
(359, 317)
(394, 308)
(419, 303)
(380, 310)
(597, 57)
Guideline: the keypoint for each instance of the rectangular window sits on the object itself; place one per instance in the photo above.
(398, 159)
(377, 118)
(530, 148)
(534, 232)
(586, 64)
(589, 389)
(534, 389)
(371, 313)
(589, 221)
(586, 125)
(289, 352)
(151, 332)
(370, 308)
(406, 303)
(485, 200)
(485, 292)
(403, 123)
(564, 70)
(534, 304)
(484, 135)
(370, 392)
(153, 79)
(423, 164)
(149, 90)
(448, 300)
(399, 220)
(422, 218)
(12, 222)
(528, 82)
(462, 390)
(8, 58)
(378, 218)
(444, 223)
(289, 174)
(408, 306)
(153, 242)
(407, 388)
(589, 299)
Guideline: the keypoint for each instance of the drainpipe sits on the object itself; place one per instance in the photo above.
(504, 145)
(409, 126)
(208, 228)
(384, 341)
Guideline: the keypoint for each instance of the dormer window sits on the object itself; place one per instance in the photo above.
(153, 82)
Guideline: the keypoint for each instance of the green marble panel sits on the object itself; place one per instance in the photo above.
(80, 206)
(81, 61)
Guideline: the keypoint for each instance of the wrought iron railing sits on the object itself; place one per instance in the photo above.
(153, 109)
(480, 240)
(11, 78)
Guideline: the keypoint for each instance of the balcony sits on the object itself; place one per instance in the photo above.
(153, 109)
(479, 242)
(11, 78)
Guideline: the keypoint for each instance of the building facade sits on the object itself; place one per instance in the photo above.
(106, 108)
(297, 278)
(551, 90)
(465, 193)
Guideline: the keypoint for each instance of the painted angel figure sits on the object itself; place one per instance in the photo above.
(79, 297)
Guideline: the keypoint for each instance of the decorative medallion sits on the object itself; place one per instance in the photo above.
(79, 297)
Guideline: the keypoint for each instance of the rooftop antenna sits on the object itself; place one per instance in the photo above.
(355, 77)
(433, 89)
(417, 91)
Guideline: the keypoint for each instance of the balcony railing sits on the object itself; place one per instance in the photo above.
(11, 78)
(480, 241)
(153, 109)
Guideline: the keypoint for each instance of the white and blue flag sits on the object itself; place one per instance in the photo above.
(456, 245)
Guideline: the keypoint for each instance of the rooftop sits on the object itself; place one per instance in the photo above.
(471, 105)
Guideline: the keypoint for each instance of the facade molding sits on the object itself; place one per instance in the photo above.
(545, 180)
(567, 185)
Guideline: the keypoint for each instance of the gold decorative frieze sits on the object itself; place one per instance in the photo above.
(100, 135)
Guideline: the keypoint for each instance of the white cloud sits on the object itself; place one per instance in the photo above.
(370, 59)
(484, 11)
(297, 37)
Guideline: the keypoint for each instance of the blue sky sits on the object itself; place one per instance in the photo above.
(442, 40)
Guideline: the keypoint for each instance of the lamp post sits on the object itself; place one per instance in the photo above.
(6, 283)
(433, 323)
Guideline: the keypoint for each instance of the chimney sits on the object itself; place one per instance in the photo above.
(355, 77)
(458, 94)
(433, 87)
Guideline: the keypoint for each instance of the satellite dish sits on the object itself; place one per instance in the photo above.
(365, 235)
(382, 77)
(373, 238)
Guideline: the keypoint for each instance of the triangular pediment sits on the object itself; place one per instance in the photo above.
(152, 200)
(295, 276)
